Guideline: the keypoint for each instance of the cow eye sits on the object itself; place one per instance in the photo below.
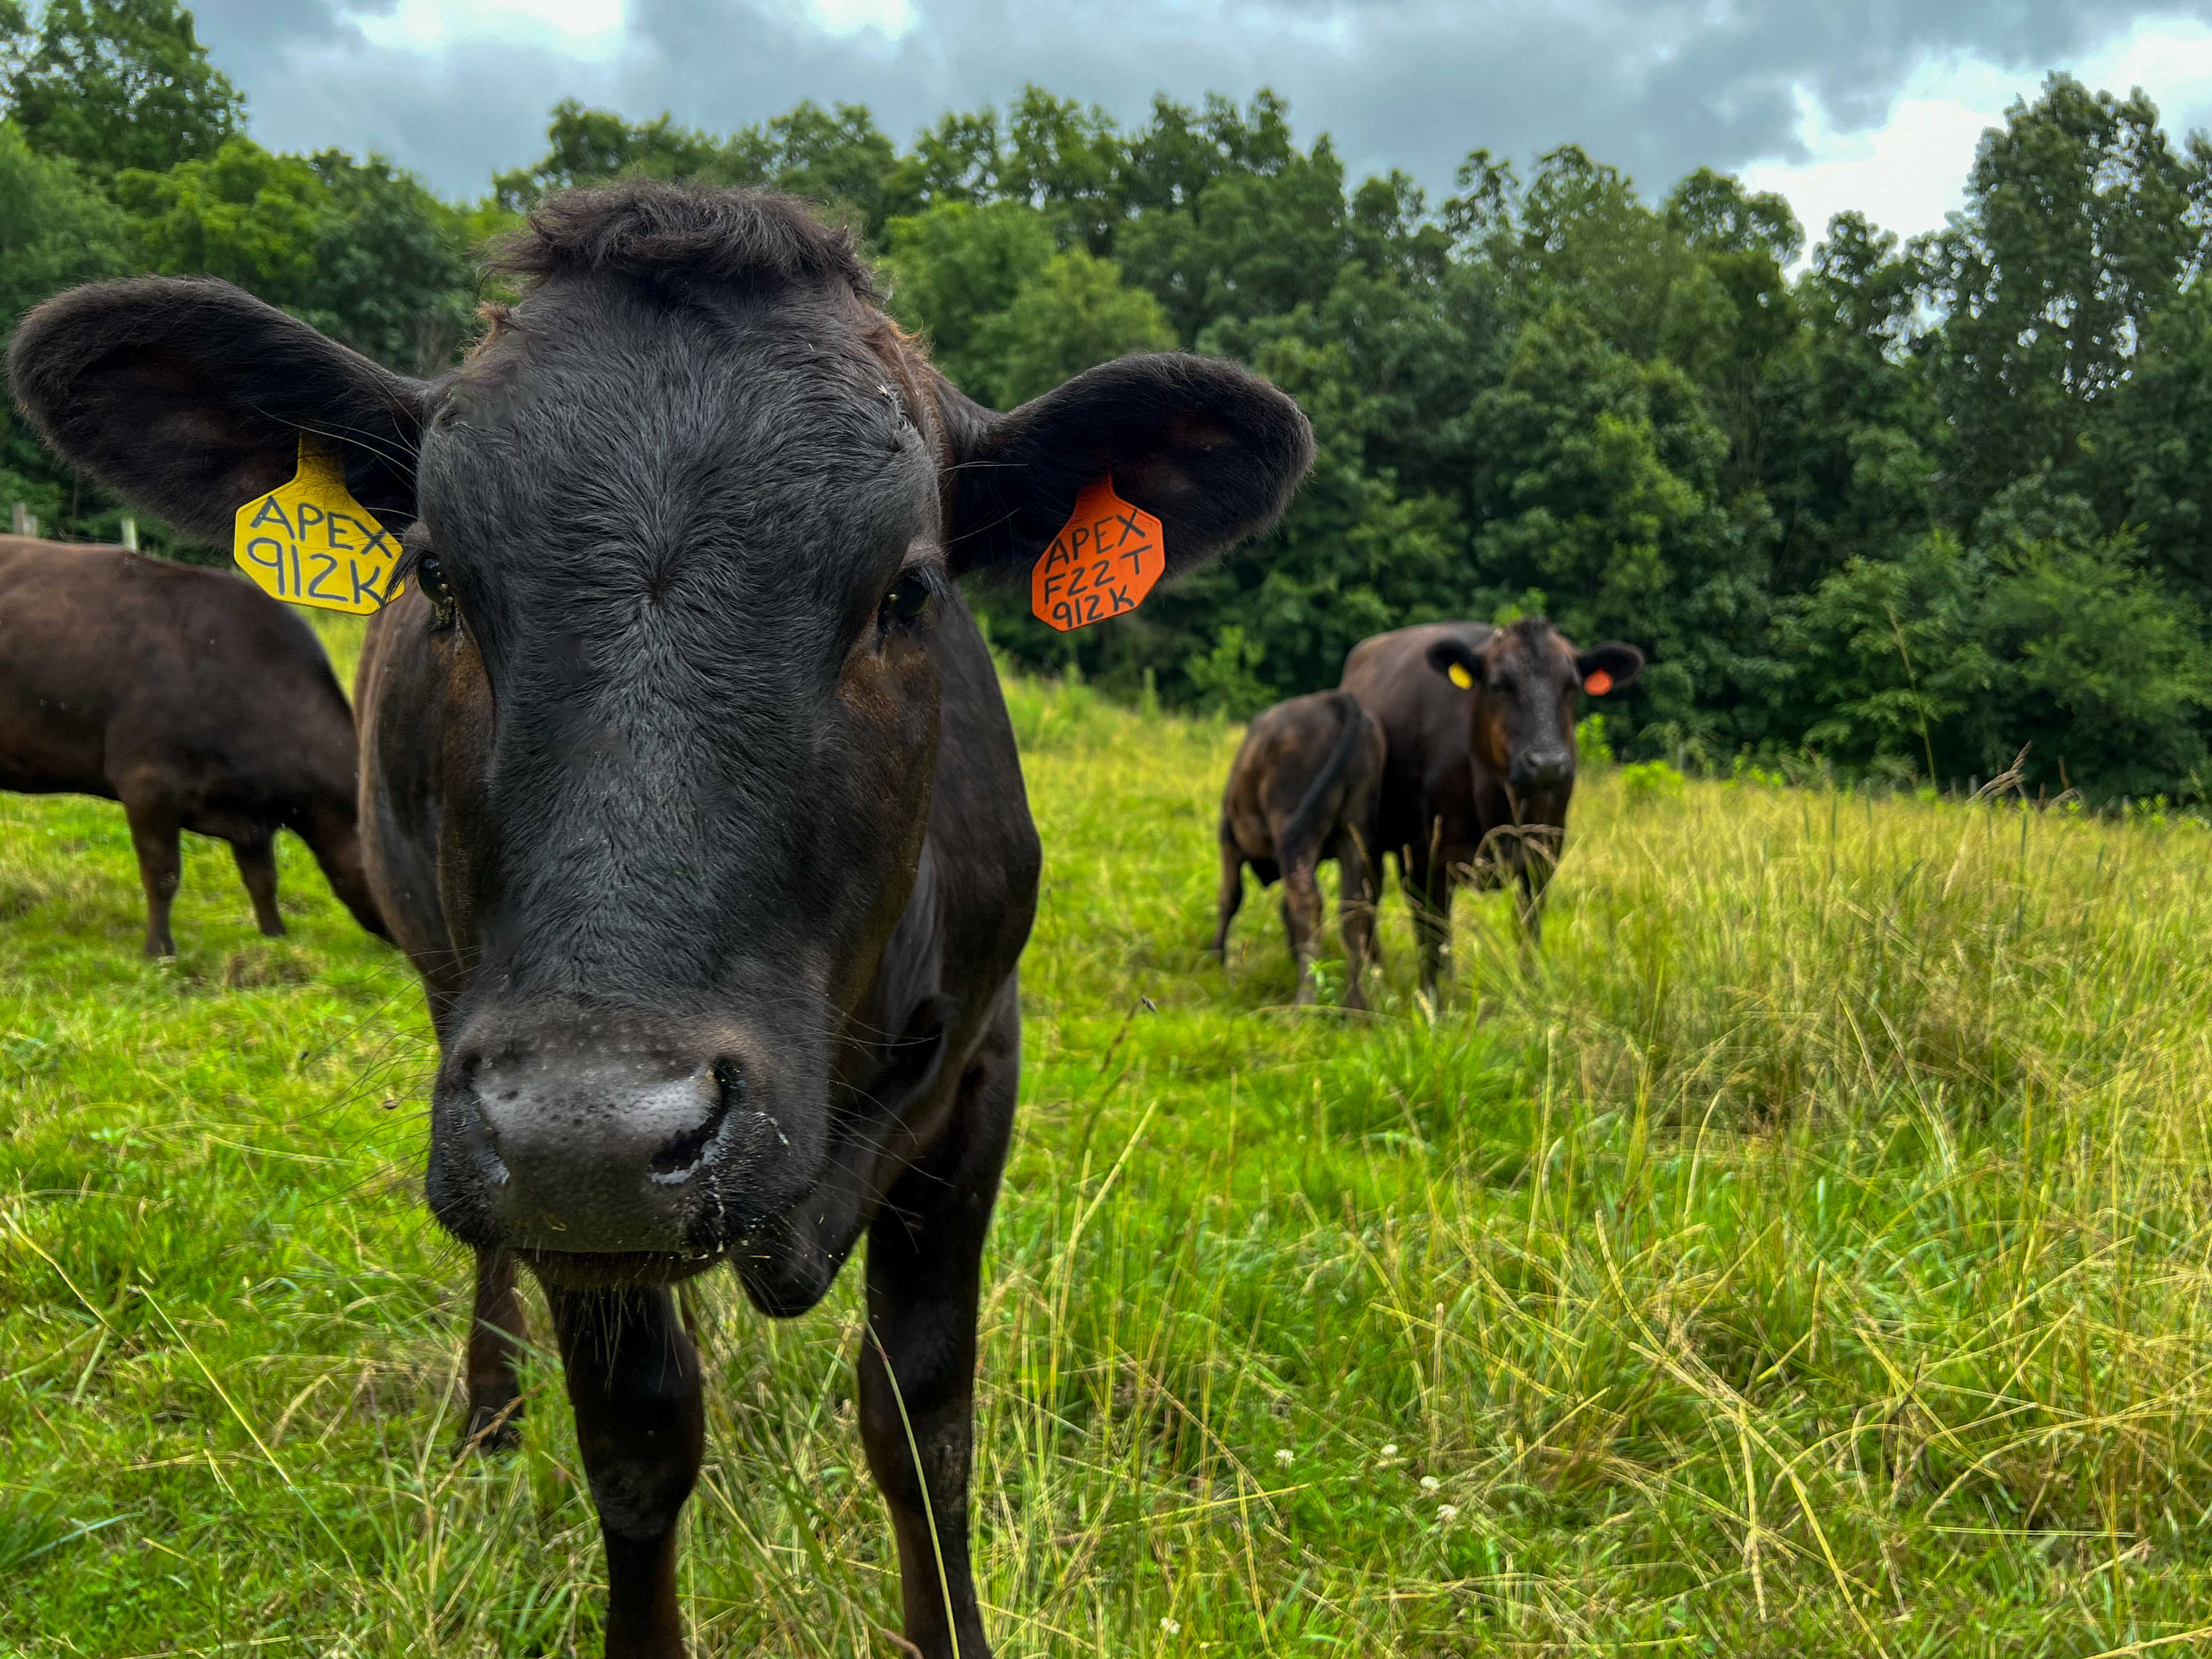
(903, 605)
(430, 576)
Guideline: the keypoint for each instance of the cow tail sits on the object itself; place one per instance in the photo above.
(1324, 798)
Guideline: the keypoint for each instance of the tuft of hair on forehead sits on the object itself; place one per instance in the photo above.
(1527, 632)
(648, 228)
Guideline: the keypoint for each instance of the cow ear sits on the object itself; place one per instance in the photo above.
(1209, 449)
(190, 396)
(1608, 667)
(1457, 664)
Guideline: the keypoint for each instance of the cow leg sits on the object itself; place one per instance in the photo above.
(641, 1423)
(1355, 912)
(918, 1361)
(496, 1333)
(256, 858)
(1429, 898)
(155, 827)
(1232, 892)
(1302, 915)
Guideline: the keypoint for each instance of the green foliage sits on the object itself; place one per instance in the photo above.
(1644, 783)
(361, 251)
(2081, 223)
(1074, 314)
(1224, 675)
(1913, 507)
(122, 83)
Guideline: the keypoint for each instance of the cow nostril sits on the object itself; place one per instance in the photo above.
(681, 1154)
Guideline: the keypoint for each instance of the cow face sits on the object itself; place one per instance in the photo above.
(685, 528)
(1524, 679)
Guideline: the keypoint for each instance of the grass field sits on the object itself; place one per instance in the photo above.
(1810, 1254)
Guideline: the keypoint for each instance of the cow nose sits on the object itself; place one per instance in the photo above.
(1543, 768)
(621, 1149)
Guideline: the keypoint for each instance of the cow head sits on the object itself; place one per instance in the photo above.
(687, 521)
(1525, 679)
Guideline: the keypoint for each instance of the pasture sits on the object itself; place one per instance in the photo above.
(1811, 1253)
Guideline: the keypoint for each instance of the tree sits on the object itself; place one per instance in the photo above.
(123, 83)
(360, 250)
(2081, 221)
(957, 263)
(591, 146)
(1073, 313)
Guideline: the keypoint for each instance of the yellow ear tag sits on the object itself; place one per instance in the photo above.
(1103, 561)
(1458, 675)
(308, 542)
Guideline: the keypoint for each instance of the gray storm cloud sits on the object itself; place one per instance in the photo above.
(1656, 89)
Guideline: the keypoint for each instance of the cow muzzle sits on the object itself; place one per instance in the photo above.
(1535, 769)
(577, 1136)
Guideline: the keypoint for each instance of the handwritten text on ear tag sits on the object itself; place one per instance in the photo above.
(1598, 683)
(310, 543)
(1103, 561)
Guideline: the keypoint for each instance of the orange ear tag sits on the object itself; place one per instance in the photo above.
(310, 543)
(1598, 683)
(1103, 561)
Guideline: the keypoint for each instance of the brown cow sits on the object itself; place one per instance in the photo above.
(687, 783)
(192, 697)
(1480, 722)
(1303, 788)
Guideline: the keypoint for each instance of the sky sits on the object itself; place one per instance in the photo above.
(1868, 104)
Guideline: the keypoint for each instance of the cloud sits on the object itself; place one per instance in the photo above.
(457, 88)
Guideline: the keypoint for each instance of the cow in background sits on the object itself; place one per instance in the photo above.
(192, 697)
(1480, 725)
(1303, 788)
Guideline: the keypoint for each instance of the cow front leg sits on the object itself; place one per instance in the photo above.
(1429, 899)
(1355, 910)
(918, 1366)
(641, 1423)
(497, 1334)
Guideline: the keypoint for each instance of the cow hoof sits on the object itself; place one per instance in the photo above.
(493, 1430)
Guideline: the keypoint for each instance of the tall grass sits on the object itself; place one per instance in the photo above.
(1806, 1253)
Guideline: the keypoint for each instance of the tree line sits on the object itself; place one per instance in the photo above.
(1898, 508)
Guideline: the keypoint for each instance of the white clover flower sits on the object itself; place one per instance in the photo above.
(1390, 1450)
(1169, 1626)
(1285, 1457)
(1446, 1514)
(1430, 1483)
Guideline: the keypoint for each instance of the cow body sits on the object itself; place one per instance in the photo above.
(688, 785)
(1481, 726)
(193, 699)
(1303, 788)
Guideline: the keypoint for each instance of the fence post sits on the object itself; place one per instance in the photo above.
(131, 532)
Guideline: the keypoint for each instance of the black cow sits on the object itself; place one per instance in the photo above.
(1303, 788)
(192, 697)
(688, 785)
(1481, 727)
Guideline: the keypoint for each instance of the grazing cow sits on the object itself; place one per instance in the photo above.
(687, 782)
(1303, 788)
(1480, 722)
(192, 697)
